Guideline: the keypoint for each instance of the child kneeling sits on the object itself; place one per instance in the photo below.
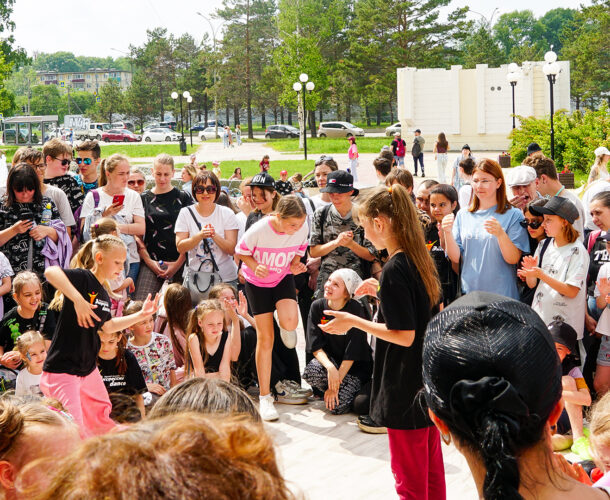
(342, 364)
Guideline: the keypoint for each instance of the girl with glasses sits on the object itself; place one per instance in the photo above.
(535, 230)
(487, 235)
(206, 229)
(137, 181)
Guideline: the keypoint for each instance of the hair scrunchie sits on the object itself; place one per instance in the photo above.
(470, 401)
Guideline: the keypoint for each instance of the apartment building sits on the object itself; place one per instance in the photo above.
(90, 81)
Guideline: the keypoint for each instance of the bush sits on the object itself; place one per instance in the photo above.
(577, 135)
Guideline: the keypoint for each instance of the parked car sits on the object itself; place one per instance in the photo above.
(170, 124)
(339, 129)
(127, 125)
(209, 133)
(160, 134)
(120, 135)
(150, 126)
(392, 129)
(281, 132)
(96, 130)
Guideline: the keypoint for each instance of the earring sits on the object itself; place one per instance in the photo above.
(446, 439)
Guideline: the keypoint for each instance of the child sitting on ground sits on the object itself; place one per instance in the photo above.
(342, 364)
(31, 346)
(575, 392)
(154, 354)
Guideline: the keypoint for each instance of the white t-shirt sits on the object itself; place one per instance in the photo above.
(132, 205)
(595, 188)
(223, 219)
(579, 224)
(241, 222)
(27, 384)
(568, 264)
(318, 201)
(465, 196)
(61, 202)
(603, 325)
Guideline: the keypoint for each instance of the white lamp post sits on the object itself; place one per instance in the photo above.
(298, 88)
(551, 70)
(513, 76)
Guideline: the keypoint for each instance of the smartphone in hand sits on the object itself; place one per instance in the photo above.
(118, 199)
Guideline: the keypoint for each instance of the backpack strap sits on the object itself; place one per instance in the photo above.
(545, 245)
(593, 235)
(206, 246)
(323, 217)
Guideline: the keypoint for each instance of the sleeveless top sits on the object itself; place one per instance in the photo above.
(439, 149)
(212, 365)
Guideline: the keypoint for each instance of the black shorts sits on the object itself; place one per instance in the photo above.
(262, 300)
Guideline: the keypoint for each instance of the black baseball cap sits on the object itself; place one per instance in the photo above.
(533, 147)
(340, 181)
(262, 179)
(418, 131)
(557, 205)
(564, 334)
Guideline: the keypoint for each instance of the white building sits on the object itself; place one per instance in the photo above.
(474, 106)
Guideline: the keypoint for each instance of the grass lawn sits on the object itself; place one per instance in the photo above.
(327, 145)
(142, 150)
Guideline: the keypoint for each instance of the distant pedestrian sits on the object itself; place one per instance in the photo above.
(456, 179)
(352, 154)
(441, 146)
(417, 151)
(230, 134)
(264, 164)
(225, 138)
(399, 148)
(238, 134)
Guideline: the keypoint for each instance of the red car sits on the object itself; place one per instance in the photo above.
(120, 135)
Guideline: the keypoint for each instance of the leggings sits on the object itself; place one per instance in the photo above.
(317, 376)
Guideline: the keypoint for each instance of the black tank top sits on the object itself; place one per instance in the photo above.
(212, 365)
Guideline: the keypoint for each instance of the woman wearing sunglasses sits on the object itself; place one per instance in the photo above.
(137, 181)
(535, 230)
(22, 233)
(162, 204)
(207, 227)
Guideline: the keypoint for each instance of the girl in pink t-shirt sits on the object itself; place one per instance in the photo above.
(352, 154)
(271, 250)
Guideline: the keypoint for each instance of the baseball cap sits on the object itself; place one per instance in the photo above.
(486, 353)
(396, 134)
(522, 176)
(564, 334)
(602, 150)
(557, 205)
(284, 172)
(533, 147)
(350, 279)
(262, 179)
(340, 181)
(418, 131)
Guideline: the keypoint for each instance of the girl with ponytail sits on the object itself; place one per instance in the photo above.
(409, 293)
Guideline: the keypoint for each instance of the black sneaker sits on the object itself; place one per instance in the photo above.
(366, 424)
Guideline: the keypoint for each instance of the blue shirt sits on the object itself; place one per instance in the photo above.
(483, 267)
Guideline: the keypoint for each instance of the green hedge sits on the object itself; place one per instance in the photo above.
(577, 135)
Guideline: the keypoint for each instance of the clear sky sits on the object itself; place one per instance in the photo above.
(95, 28)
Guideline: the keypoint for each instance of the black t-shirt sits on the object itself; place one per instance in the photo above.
(448, 277)
(74, 349)
(352, 346)
(16, 249)
(396, 401)
(597, 258)
(253, 218)
(212, 364)
(13, 325)
(160, 214)
(130, 383)
(70, 186)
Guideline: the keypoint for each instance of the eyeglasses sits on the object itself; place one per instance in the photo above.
(86, 161)
(533, 224)
(139, 182)
(64, 163)
(323, 159)
(203, 189)
(39, 166)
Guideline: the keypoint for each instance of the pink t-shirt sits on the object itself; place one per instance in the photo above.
(272, 249)
(352, 152)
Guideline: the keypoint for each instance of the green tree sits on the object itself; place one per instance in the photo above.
(57, 61)
(550, 27)
(111, 101)
(45, 100)
(481, 48)
(138, 103)
(514, 29)
(585, 45)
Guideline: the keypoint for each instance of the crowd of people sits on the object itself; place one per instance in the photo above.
(128, 310)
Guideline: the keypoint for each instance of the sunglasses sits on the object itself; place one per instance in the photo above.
(203, 189)
(534, 224)
(64, 163)
(86, 161)
(139, 182)
(322, 159)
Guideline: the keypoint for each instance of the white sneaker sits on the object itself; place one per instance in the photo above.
(287, 396)
(266, 408)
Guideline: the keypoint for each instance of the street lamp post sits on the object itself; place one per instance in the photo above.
(551, 70)
(513, 76)
(189, 100)
(186, 95)
(298, 87)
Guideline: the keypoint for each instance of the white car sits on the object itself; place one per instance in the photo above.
(209, 133)
(392, 129)
(160, 134)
